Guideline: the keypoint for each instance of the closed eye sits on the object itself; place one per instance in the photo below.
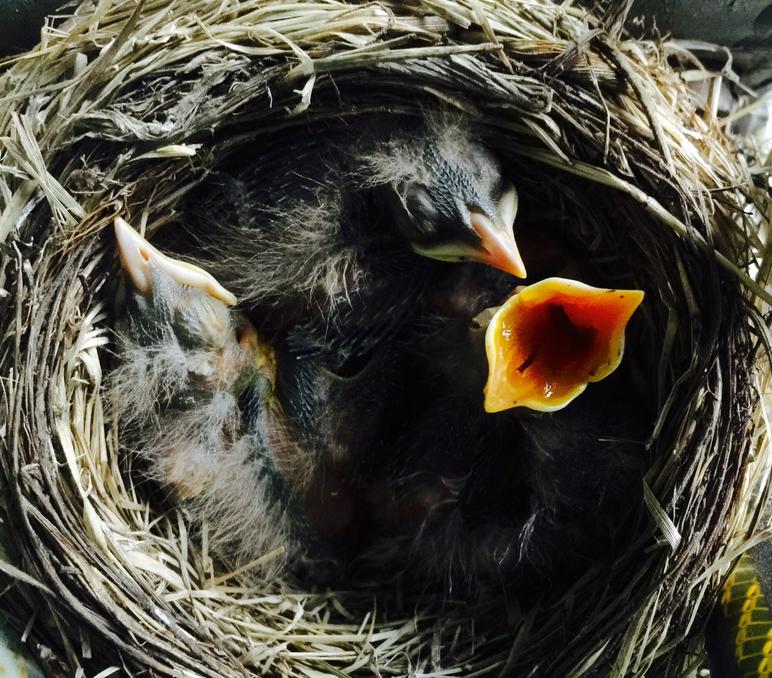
(351, 367)
(421, 209)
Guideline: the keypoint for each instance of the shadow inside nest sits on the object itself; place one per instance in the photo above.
(379, 474)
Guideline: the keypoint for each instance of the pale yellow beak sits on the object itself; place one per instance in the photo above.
(138, 255)
(546, 343)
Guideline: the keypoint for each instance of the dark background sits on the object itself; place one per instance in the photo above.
(21, 21)
(743, 25)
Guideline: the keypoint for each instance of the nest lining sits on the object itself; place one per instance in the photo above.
(123, 109)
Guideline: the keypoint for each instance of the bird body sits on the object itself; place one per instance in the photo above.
(318, 233)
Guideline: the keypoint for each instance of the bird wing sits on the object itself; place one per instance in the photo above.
(358, 321)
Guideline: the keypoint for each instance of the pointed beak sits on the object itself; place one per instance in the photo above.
(497, 246)
(497, 241)
(138, 256)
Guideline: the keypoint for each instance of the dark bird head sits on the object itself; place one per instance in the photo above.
(449, 199)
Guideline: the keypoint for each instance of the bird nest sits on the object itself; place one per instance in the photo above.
(124, 108)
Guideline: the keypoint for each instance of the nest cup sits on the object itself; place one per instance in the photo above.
(124, 108)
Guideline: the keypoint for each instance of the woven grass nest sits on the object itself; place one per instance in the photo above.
(124, 107)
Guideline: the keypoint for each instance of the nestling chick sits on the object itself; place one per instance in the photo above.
(195, 390)
(460, 500)
(333, 238)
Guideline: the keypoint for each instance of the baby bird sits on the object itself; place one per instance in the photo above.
(461, 500)
(332, 238)
(195, 390)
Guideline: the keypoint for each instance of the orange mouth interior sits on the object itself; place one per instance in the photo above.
(547, 342)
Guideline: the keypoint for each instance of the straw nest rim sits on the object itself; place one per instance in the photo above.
(123, 107)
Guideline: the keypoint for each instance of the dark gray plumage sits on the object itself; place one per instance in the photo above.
(331, 238)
